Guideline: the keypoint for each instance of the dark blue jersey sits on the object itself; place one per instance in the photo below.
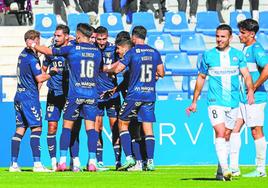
(142, 61)
(57, 83)
(107, 81)
(27, 69)
(83, 64)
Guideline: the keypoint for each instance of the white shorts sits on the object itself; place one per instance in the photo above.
(221, 114)
(253, 115)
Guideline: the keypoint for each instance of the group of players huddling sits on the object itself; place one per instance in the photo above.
(83, 84)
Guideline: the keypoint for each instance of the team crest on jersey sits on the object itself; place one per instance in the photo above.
(108, 54)
(247, 54)
(138, 50)
(235, 59)
(77, 48)
(37, 66)
(49, 115)
(261, 54)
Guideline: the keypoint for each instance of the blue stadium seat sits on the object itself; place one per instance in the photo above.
(207, 22)
(46, 24)
(113, 22)
(146, 19)
(74, 19)
(179, 64)
(189, 82)
(165, 85)
(179, 96)
(193, 44)
(263, 39)
(176, 24)
(162, 43)
(263, 23)
(237, 16)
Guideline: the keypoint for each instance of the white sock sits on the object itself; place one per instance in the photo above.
(261, 146)
(228, 148)
(53, 161)
(37, 164)
(221, 150)
(235, 144)
(62, 159)
(92, 161)
(15, 164)
(76, 162)
(255, 15)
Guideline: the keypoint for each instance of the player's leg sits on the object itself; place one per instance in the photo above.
(99, 127)
(255, 120)
(128, 109)
(51, 142)
(147, 116)
(90, 112)
(74, 146)
(134, 129)
(21, 126)
(217, 119)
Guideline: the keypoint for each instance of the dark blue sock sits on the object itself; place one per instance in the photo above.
(74, 146)
(51, 142)
(126, 142)
(65, 141)
(92, 137)
(99, 152)
(117, 152)
(35, 145)
(15, 147)
(149, 142)
(136, 149)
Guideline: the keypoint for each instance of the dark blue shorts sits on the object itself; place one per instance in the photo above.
(55, 106)
(112, 107)
(143, 110)
(28, 113)
(73, 107)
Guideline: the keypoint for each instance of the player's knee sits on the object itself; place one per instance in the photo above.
(257, 132)
(52, 128)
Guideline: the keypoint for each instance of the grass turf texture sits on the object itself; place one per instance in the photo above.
(164, 176)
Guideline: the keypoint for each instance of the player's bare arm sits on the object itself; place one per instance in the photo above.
(263, 77)
(249, 84)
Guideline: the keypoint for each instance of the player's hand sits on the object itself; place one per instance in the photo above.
(250, 96)
(107, 94)
(191, 108)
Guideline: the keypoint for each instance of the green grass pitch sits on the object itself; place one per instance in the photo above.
(164, 177)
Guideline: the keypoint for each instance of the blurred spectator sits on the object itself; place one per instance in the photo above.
(218, 5)
(91, 7)
(127, 7)
(146, 5)
(254, 7)
(59, 10)
(182, 5)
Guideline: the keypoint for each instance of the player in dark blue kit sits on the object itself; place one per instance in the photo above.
(57, 93)
(145, 65)
(26, 103)
(84, 61)
(111, 104)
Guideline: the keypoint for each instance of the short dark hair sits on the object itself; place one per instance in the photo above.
(249, 25)
(125, 41)
(139, 31)
(65, 29)
(85, 29)
(101, 30)
(31, 34)
(122, 35)
(225, 27)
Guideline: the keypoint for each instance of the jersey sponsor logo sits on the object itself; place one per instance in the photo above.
(223, 71)
(85, 84)
(235, 59)
(85, 101)
(144, 89)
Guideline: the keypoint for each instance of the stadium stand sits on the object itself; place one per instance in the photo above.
(162, 43)
(263, 21)
(263, 39)
(74, 19)
(113, 22)
(192, 44)
(237, 16)
(176, 24)
(207, 22)
(46, 24)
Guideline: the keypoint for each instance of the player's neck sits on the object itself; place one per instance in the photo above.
(250, 42)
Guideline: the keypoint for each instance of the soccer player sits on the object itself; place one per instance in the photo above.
(26, 103)
(222, 64)
(252, 115)
(144, 65)
(110, 104)
(84, 60)
(56, 98)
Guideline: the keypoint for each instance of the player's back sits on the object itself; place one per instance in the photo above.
(83, 63)
(223, 70)
(143, 61)
(27, 68)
